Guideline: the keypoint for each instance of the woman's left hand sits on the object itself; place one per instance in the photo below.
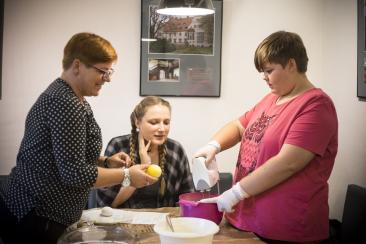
(120, 159)
(227, 200)
(144, 150)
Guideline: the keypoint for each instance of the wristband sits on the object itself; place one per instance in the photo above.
(239, 191)
(216, 145)
(105, 162)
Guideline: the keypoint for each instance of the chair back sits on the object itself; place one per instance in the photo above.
(354, 215)
(225, 183)
(3, 185)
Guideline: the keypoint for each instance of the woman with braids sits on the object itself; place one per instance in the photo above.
(148, 143)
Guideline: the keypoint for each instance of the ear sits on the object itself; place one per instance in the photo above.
(75, 66)
(292, 66)
(137, 124)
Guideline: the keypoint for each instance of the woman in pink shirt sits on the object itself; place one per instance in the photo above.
(288, 146)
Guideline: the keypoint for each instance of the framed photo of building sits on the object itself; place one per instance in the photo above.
(361, 49)
(180, 55)
(1, 41)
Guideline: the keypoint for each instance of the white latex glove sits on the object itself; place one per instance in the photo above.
(213, 172)
(227, 200)
(208, 151)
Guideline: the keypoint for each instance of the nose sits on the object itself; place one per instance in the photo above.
(265, 77)
(107, 79)
(162, 127)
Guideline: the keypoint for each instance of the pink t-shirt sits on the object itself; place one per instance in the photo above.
(297, 209)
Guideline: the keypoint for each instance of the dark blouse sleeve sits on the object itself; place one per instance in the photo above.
(106, 195)
(114, 146)
(67, 123)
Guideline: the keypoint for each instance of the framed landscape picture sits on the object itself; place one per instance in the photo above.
(361, 49)
(1, 40)
(180, 55)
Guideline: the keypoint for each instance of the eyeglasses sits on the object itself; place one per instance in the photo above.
(106, 74)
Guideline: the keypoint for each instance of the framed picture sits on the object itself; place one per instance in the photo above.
(361, 49)
(180, 55)
(1, 40)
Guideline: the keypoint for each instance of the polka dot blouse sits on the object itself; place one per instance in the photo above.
(57, 159)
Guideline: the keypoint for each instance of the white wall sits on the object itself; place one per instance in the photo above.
(35, 32)
(340, 75)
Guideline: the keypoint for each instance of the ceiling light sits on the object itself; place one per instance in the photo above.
(185, 7)
(148, 39)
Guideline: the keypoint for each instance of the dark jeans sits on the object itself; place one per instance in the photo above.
(30, 229)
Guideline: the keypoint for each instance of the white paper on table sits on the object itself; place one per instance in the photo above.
(122, 216)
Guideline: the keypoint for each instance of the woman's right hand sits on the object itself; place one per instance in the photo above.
(120, 159)
(139, 177)
(208, 151)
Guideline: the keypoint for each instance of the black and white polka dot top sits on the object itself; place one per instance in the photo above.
(57, 160)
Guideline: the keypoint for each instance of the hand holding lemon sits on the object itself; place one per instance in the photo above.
(154, 170)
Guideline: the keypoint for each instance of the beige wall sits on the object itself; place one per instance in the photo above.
(35, 32)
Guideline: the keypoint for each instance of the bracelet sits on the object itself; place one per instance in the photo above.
(216, 145)
(126, 177)
(105, 162)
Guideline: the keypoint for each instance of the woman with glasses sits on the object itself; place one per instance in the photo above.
(148, 144)
(288, 144)
(59, 157)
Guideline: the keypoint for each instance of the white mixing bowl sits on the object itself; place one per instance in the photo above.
(186, 230)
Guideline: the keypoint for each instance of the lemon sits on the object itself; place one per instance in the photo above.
(154, 170)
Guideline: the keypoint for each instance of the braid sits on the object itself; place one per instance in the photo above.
(162, 160)
(133, 139)
(132, 149)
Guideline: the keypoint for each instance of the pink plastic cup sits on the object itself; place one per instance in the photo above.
(190, 207)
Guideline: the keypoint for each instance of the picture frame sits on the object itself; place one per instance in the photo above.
(361, 49)
(1, 42)
(180, 55)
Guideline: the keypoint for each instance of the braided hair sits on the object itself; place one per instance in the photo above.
(136, 115)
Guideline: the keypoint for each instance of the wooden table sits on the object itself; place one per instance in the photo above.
(227, 233)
